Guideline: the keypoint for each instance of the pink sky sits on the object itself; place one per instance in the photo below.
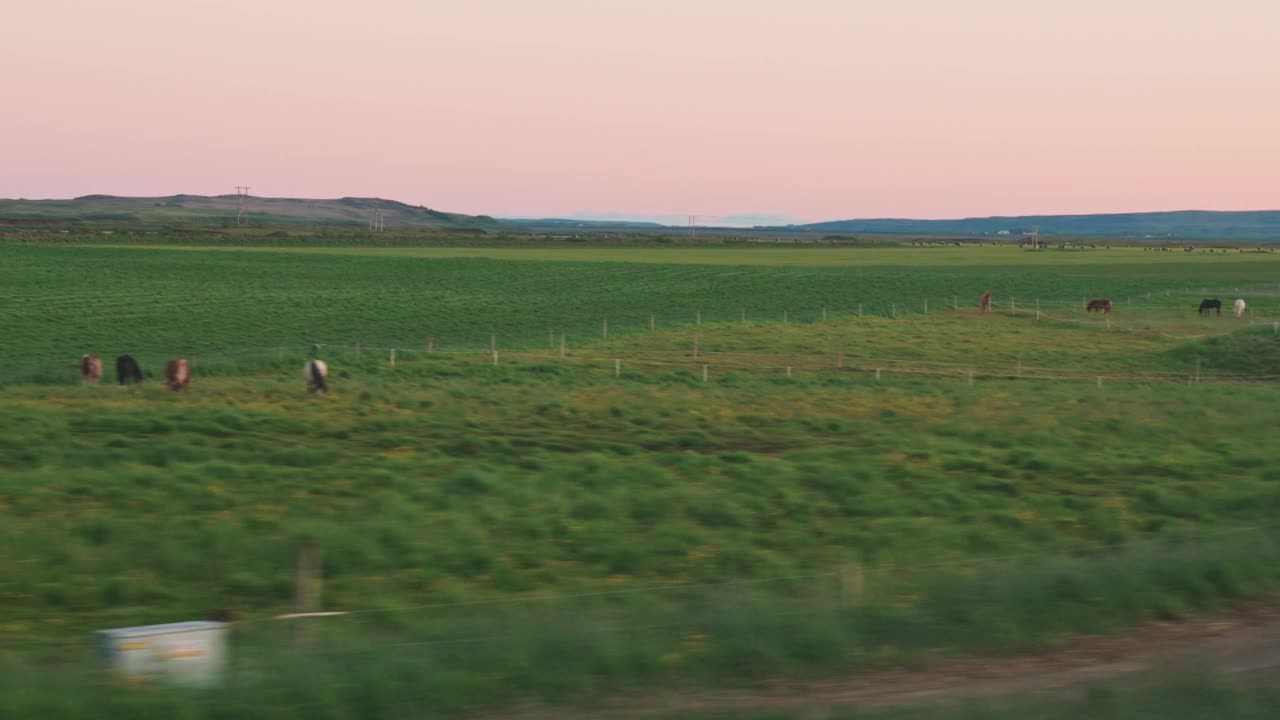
(800, 109)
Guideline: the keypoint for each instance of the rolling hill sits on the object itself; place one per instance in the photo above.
(1178, 225)
(221, 209)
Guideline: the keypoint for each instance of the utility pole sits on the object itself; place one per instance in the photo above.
(242, 205)
(693, 226)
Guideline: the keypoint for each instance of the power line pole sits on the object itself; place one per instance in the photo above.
(242, 204)
(693, 226)
(375, 220)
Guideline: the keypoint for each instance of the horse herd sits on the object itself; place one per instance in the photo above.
(177, 373)
(1103, 305)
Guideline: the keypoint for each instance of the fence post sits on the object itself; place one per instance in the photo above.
(393, 357)
(704, 373)
(784, 317)
(926, 306)
(970, 378)
(431, 344)
(744, 316)
(859, 309)
(617, 368)
(851, 584)
(551, 338)
(788, 371)
(605, 328)
(955, 302)
(695, 346)
(877, 374)
(495, 358)
(840, 358)
(653, 322)
(357, 348)
(562, 345)
(824, 314)
(307, 581)
(699, 318)
(1197, 371)
(1013, 306)
(1019, 364)
(1099, 381)
(893, 310)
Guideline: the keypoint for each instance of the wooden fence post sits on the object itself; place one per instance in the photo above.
(824, 314)
(495, 358)
(431, 344)
(784, 317)
(493, 343)
(859, 309)
(704, 373)
(695, 346)
(307, 581)
(562, 345)
(617, 368)
(851, 583)
(877, 374)
(788, 371)
(393, 357)
(605, 329)
(653, 322)
(893, 310)
(699, 318)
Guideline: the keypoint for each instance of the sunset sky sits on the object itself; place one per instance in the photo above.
(733, 110)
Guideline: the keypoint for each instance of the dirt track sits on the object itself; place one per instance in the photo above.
(1245, 640)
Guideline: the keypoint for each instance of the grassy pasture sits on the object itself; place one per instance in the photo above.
(57, 303)
(985, 518)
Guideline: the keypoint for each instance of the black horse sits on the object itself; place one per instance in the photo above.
(127, 370)
(1210, 304)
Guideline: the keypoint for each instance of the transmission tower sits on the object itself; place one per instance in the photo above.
(693, 226)
(242, 204)
(375, 220)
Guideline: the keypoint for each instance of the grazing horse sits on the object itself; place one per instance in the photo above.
(1099, 304)
(1239, 308)
(177, 373)
(984, 304)
(316, 373)
(1210, 304)
(90, 369)
(127, 370)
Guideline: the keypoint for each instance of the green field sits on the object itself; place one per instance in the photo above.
(546, 529)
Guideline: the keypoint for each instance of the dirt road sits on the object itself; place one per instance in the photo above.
(1244, 640)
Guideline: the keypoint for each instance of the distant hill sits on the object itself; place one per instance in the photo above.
(220, 209)
(1179, 225)
(567, 223)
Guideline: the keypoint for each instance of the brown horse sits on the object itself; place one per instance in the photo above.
(984, 305)
(1101, 305)
(177, 373)
(90, 369)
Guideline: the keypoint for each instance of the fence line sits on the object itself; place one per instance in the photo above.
(804, 315)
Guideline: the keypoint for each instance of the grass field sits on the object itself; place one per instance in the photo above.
(812, 523)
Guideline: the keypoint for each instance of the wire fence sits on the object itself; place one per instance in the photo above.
(1179, 321)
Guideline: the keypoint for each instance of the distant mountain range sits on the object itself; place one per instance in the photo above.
(570, 223)
(348, 211)
(1178, 225)
(1260, 225)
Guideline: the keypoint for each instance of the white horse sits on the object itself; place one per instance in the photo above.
(1239, 308)
(316, 373)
